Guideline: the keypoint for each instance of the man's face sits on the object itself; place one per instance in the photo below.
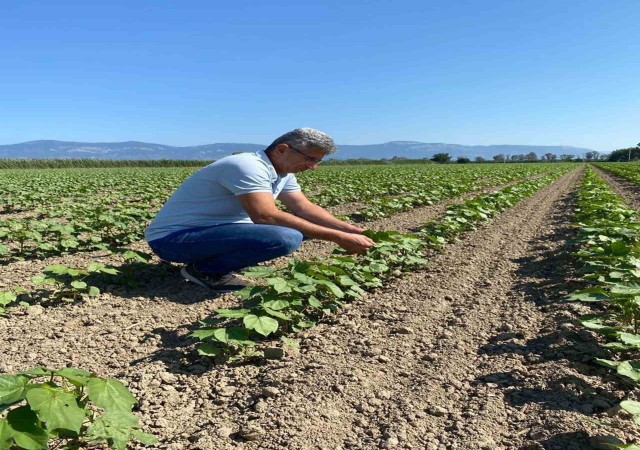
(296, 160)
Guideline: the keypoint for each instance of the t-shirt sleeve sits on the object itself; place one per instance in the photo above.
(246, 177)
(291, 184)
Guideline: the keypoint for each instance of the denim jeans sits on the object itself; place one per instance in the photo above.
(221, 249)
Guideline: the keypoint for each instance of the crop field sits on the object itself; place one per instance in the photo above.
(499, 309)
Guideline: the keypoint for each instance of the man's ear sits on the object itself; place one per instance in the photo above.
(280, 149)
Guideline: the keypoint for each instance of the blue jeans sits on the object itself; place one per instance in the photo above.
(225, 248)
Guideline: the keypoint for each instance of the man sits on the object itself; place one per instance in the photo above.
(224, 217)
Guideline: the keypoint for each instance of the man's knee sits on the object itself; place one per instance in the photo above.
(289, 239)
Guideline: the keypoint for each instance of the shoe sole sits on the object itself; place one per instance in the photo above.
(187, 276)
(214, 287)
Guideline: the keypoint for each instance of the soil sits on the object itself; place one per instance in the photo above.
(476, 351)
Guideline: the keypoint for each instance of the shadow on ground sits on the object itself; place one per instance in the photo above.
(546, 276)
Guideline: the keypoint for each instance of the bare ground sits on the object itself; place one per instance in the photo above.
(474, 352)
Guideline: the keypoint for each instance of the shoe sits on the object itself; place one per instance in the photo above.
(227, 282)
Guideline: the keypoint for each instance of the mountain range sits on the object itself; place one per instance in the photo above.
(46, 149)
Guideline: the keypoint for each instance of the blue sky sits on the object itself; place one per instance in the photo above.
(194, 72)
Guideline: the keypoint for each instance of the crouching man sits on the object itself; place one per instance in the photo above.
(224, 217)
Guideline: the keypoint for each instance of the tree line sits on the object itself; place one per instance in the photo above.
(626, 154)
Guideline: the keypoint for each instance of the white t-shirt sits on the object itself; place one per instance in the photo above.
(208, 197)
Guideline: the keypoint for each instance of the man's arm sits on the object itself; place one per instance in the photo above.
(301, 206)
(262, 209)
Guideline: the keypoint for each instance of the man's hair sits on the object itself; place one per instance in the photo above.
(306, 138)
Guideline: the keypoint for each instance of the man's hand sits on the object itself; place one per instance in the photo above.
(349, 228)
(354, 243)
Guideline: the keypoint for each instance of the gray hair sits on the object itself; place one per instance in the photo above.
(306, 138)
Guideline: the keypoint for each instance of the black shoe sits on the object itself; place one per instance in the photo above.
(227, 282)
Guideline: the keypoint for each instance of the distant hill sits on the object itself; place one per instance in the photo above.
(144, 150)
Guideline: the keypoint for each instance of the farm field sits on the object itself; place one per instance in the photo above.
(459, 336)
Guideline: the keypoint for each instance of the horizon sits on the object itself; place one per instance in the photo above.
(337, 144)
(435, 72)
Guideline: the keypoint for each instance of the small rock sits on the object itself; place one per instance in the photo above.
(260, 406)
(161, 423)
(225, 431)
(536, 435)
(437, 411)
(226, 391)
(168, 377)
(505, 336)
(270, 392)
(403, 330)
(35, 310)
(273, 353)
(391, 442)
(251, 432)
(383, 359)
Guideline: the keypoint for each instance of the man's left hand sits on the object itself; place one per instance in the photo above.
(353, 229)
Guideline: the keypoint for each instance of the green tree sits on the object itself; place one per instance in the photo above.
(441, 158)
(463, 160)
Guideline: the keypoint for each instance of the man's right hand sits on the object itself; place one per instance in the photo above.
(354, 243)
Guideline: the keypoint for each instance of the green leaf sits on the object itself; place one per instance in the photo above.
(144, 438)
(280, 285)
(7, 297)
(56, 407)
(25, 431)
(37, 372)
(263, 325)
(93, 291)
(589, 295)
(232, 313)
(58, 269)
(77, 377)
(630, 369)
(12, 388)
(258, 272)
(207, 349)
(632, 407)
(6, 440)
(607, 363)
(226, 335)
(335, 290)
(304, 278)
(346, 281)
(114, 427)
(293, 343)
(40, 279)
(314, 302)
(630, 339)
(110, 394)
(276, 304)
(278, 314)
(79, 284)
(595, 323)
(626, 288)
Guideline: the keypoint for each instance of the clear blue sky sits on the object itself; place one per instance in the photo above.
(536, 72)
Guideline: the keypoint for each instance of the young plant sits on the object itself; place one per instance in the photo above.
(69, 283)
(70, 407)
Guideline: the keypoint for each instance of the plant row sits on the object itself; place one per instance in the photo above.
(609, 250)
(628, 171)
(291, 299)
